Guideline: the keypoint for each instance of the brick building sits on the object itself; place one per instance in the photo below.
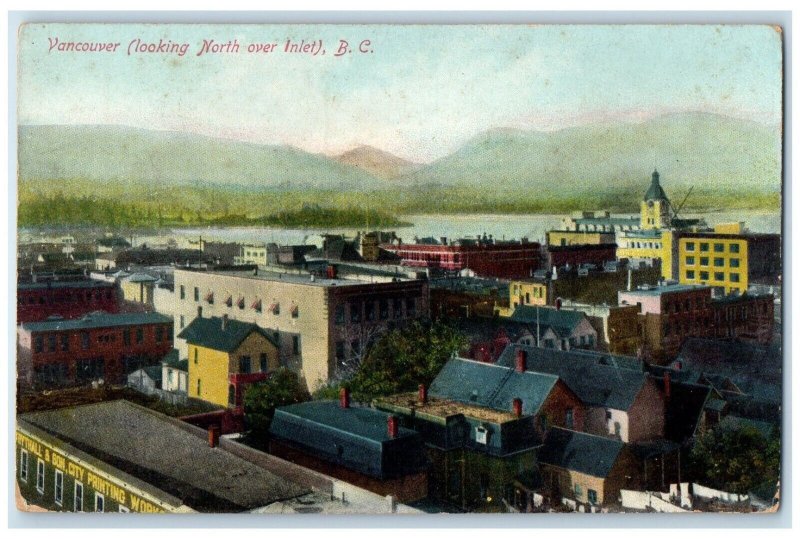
(484, 256)
(67, 299)
(749, 317)
(96, 346)
(578, 255)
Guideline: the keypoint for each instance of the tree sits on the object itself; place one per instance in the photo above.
(260, 400)
(737, 460)
(404, 358)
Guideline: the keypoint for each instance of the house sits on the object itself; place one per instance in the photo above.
(146, 379)
(549, 327)
(138, 288)
(482, 424)
(225, 356)
(363, 446)
(586, 468)
(621, 403)
(175, 373)
(97, 346)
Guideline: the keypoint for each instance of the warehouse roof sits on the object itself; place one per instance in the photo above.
(164, 453)
(209, 333)
(98, 320)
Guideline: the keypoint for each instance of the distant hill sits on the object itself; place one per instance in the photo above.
(140, 156)
(377, 162)
(711, 151)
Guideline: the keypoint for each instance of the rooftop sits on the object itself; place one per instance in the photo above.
(444, 408)
(86, 283)
(291, 278)
(665, 289)
(98, 320)
(580, 452)
(166, 455)
(210, 333)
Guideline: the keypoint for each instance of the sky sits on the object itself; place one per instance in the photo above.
(419, 92)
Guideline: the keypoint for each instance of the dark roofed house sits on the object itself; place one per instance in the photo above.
(225, 356)
(362, 446)
(555, 328)
(621, 402)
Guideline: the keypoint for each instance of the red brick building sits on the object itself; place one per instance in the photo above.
(748, 317)
(67, 299)
(486, 257)
(97, 346)
(577, 255)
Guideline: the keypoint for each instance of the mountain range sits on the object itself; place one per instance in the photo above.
(713, 152)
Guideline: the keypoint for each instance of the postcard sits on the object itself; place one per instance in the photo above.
(399, 269)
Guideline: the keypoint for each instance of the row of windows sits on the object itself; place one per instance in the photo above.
(161, 334)
(241, 303)
(367, 311)
(641, 245)
(718, 247)
(68, 297)
(718, 276)
(58, 486)
(718, 261)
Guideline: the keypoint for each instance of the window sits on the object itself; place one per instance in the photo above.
(339, 351)
(198, 387)
(196, 294)
(411, 307)
(296, 344)
(159, 333)
(592, 496)
(734, 247)
(23, 466)
(244, 364)
(383, 306)
(339, 315)
(59, 488)
(690, 261)
(578, 491)
(690, 246)
(719, 262)
(398, 307)
(51, 342)
(231, 395)
(355, 312)
(369, 310)
(569, 419)
(38, 343)
(77, 503)
(703, 247)
(126, 336)
(719, 275)
(703, 275)
(139, 335)
(734, 262)
(734, 277)
(99, 503)
(183, 292)
(85, 340)
(182, 321)
(690, 274)
(719, 247)
(262, 362)
(195, 356)
(40, 476)
(704, 261)
(295, 311)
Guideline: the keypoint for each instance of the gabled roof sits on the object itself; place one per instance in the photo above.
(491, 386)
(580, 452)
(595, 384)
(559, 320)
(208, 333)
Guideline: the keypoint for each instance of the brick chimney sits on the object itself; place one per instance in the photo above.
(224, 322)
(391, 424)
(213, 436)
(516, 407)
(667, 384)
(344, 397)
(423, 394)
(522, 360)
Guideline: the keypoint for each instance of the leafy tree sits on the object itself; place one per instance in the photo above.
(260, 400)
(737, 460)
(404, 358)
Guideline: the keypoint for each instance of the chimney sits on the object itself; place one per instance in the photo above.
(423, 394)
(667, 384)
(516, 407)
(522, 360)
(213, 436)
(391, 423)
(224, 322)
(344, 397)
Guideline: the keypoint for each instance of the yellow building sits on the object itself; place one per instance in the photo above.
(646, 247)
(226, 355)
(138, 288)
(715, 260)
(524, 293)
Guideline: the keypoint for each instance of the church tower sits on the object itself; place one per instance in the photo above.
(655, 206)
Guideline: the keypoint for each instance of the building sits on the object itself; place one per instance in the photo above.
(225, 356)
(621, 403)
(730, 261)
(138, 288)
(597, 227)
(618, 326)
(598, 255)
(144, 256)
(482, 424)
(320, 322)
(118, 457)
(68, 299)
(146, 380)
(251, 254)
(96, 346)
(548, 327)
(748, 317)
(466, 297)
(175, 373)
(485, 256)
(365, 447)
(670, 313)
